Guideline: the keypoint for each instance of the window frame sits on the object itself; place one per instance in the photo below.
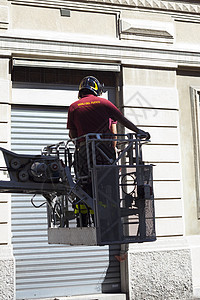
(195, 111)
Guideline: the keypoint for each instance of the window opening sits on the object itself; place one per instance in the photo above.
(60, 76)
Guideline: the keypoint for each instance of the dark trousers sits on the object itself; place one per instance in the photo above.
(82, 166)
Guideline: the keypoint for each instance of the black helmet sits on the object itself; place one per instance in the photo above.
(92, 84)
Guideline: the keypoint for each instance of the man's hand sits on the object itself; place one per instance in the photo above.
(143, 134)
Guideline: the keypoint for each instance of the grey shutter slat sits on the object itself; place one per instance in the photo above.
(44, 270)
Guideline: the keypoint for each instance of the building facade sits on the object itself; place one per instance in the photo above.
(147, 54)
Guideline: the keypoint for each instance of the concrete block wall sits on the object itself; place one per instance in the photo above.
(161, 271)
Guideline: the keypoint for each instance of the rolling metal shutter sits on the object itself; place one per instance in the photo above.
(44, 270)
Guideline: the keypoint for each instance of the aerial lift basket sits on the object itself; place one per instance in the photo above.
(84, 179)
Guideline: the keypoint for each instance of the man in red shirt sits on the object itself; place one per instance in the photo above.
(92, 114)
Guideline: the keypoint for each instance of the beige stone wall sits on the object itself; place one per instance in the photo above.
(7, 273)
(151, 40)
(5, 85)
(187, 33)
(80, 23)
(151, 102)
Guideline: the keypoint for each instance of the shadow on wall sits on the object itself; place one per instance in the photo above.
(112, 280)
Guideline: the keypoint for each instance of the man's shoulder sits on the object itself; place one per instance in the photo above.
(89, 99)
(73, 104)
(103, 100)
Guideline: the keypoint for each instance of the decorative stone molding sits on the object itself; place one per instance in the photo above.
(174, 6)
(156, 4)
(126, 54)
(154, 31)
